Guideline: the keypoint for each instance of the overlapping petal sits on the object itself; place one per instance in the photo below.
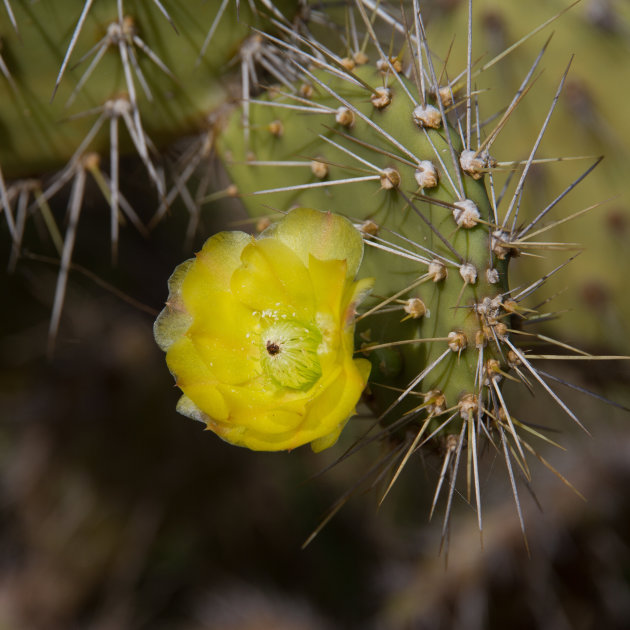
(259, 333)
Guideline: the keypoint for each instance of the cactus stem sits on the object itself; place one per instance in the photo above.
(479, 339)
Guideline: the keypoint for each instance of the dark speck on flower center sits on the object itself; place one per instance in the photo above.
(272, 348)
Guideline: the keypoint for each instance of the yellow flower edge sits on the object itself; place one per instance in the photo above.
(259, 333)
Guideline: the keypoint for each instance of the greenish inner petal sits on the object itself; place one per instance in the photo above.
(289, 353)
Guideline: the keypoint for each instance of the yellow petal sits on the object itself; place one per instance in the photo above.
(207, 399)
(332, 408)
(187, 407)
(355, 293)
(173, 320)
(220, 315)
(324, 235)
(264, 409)
(220, 256)
(186, 365)
(272, 279)
(177, 278)
(170, 325)
(327, 441)
(329, 282)
(255, 440)
(335, 407)
(227, 363)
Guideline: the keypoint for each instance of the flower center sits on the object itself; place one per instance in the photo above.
(289, 353)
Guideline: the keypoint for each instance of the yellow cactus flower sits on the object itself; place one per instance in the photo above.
(258, 333)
